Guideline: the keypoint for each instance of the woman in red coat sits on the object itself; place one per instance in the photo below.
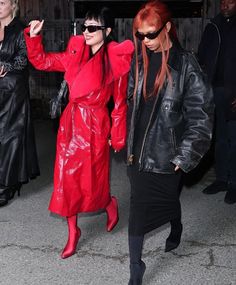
(96, 68)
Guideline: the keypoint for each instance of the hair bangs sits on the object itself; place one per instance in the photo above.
(92, 15)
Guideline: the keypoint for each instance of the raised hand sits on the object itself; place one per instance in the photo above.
(35, 27)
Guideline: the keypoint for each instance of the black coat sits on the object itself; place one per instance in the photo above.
(179, 131)
(18, 157)
(209, 50)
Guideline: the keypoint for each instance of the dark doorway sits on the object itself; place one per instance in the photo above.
(128, 9)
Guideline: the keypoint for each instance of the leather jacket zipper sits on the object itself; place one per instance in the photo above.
(146, 131)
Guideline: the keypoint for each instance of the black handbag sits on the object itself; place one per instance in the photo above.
(59, 102)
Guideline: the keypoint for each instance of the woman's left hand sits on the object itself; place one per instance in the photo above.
(177, 168)
(109, 142)
(2, 72)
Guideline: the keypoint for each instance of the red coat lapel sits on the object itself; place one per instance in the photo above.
(88, 77)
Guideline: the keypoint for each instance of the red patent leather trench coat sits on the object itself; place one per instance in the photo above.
(81, 175)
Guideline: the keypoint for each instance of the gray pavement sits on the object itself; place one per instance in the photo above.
(31, 238)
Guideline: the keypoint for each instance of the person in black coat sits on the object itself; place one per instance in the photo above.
(218, 57)
(170, 129)
(18, 157)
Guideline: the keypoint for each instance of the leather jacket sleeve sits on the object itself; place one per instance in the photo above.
(198, 110)
(19, 61)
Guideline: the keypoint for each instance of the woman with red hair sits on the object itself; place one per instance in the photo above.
(170, 129)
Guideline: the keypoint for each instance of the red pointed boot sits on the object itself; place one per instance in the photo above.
(112, 214)
(73, 238)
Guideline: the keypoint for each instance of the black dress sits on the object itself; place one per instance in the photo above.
(18, 156)
(154, 197)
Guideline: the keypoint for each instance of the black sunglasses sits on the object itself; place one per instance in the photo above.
(91, 28)
(150, 36)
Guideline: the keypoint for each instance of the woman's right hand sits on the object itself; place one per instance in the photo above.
(35, 27)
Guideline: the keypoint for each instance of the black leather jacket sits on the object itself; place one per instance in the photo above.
(180, 131)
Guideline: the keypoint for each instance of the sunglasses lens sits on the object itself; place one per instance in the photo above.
(92, 29)
(152, 36)
(139, 36)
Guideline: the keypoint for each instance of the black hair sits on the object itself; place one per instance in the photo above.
(105, 16)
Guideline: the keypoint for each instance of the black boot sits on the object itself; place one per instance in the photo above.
(174, 238)
(136, 273)
(230, 196)
(4, 195)
(215, 187)
(14, 189)
(137, 266)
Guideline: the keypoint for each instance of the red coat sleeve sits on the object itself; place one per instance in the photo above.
(41, 60)
(118, 129)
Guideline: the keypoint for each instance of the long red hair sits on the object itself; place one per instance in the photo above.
(156, 14)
